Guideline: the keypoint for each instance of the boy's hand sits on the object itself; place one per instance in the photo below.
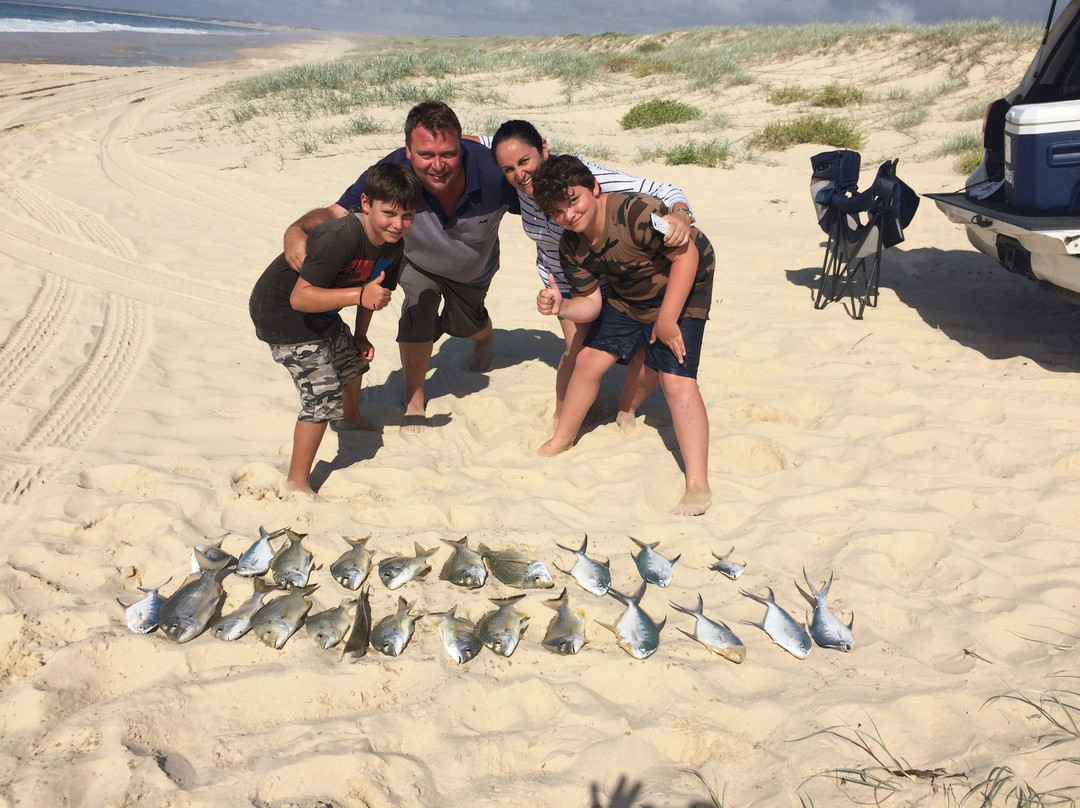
(373, 296)
(671, 336)
(364, 346)
(549, 300)
(678, 232)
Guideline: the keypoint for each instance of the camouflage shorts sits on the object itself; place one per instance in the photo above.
(320, 371)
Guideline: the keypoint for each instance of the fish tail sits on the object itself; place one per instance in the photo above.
(561, 600)
(507, 601)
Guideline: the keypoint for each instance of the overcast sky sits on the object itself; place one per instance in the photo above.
(520, 17)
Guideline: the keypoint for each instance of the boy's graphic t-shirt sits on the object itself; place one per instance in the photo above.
(635, 260)
(339, 256)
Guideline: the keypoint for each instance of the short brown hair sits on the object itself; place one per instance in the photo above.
(555, 177)
(435, 116)
(394, 183)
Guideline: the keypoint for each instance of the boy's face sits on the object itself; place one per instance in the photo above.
(578, 213)
(386, 222)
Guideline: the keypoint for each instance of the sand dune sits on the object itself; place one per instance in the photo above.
(927, 455)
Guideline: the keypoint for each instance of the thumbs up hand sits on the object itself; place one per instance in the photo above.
(549, 299)
(374, 296)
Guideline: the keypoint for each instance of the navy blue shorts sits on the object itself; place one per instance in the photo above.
(619, 335)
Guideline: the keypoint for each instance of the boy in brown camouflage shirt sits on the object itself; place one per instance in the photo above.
(656, 296)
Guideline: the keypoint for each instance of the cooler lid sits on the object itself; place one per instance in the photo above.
(1058, 112)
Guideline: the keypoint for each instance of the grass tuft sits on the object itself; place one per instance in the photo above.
(788, 94)
(835, 96)
(808, 129)
(658, 112)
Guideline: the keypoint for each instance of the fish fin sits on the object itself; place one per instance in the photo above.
(758, 598)
(357, 542)
(660, 625)
(560, 569)
(755, 625)
(676, 558)
(123, 605)
(688, 634)
(806, 595)
(260, 585)
(678, 608)
(612, 629)
(507, 601)
(851, 622)
(462, 542)
(205, 564)
(827, 586)
(643, 545)
(561, 600)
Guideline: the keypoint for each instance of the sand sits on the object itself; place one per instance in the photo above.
(926, 455)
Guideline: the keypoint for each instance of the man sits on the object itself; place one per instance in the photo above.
(452, 251)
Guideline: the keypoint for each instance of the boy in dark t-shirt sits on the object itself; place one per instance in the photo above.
(657, 296)
(351, 261)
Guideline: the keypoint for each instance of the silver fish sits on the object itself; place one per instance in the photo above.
(653, 567)
(725, 566)
(715, 636)
(255, 560)
(780, 626)
(212, 551)
(360, 635)
(635, 633)
(501, 630)
(517, 569)
(592, 576)
(399, 570)
(236, 624)
(279, 619)
(329, 627)
(391, 634)
(142, 615)
(465, 567)
(458, 635)
(187, 612)
(292, 563)
(566, 631)
(825, 627)
(353, 566)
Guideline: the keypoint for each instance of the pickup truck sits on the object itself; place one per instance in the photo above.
(1022, 205)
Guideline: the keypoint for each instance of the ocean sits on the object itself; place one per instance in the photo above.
(81, 36)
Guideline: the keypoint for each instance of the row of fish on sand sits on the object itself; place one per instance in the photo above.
(195, 606)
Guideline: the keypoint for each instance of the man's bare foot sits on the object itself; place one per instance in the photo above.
(694, 502)
(350, 423)
(302, 488)
(481, 355)
(626, 421)
(553, 447)
(414, 423)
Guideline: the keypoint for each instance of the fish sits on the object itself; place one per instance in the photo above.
(781, 626)
(501, 629)
(517, 569)
(592, 576)
(653, 567)
(714, 635)
(213, 552)
(279, 619)
(635, 633)
(458, 635)
(292, 563)
(399, 570)
(255, 560)
(825, 627)
(329, 627)
(357, 642)
(142, 615)
(391, 634)
(353, 566)
(187, 612)
(465, 567)
(566, 631)
(236, 624)
(725, 566)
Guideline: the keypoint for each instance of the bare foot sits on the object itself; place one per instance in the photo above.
(414, 423)
(553, 447)
(626, 421)
(481, 355)
(350, 423)
(694, 502)
(302, 488)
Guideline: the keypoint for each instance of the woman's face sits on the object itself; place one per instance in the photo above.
(519, 161)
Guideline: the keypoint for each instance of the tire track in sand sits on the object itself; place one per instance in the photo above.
(83, 403)
(37, 332)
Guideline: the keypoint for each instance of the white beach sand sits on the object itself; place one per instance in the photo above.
(927, 455)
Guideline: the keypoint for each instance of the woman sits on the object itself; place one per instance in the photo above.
(519, 150)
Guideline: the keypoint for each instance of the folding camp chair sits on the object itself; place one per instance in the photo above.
(859, 226)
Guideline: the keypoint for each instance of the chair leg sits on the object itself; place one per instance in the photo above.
(831, 269)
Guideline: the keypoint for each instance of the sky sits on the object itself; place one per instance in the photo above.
(545, 17)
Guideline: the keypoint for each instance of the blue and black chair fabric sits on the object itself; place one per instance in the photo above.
(859, 225)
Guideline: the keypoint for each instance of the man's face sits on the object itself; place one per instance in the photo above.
(436, 158)
(389, 221)
(578, 213)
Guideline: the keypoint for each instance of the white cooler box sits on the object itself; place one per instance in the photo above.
(1042, 157)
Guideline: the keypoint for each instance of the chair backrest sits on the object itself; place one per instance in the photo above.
(834, 179)
(894, 202)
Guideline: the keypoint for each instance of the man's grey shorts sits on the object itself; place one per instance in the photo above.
(463, 312)
(320, 371)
